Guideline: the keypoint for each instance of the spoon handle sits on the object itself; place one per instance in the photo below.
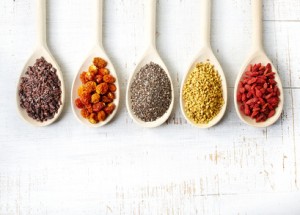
(41, 23)
(205, 22)
(98, 22)
(150, 11)
(257, 24)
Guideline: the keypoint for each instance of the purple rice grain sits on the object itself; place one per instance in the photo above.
(151, 93)
(40, 91)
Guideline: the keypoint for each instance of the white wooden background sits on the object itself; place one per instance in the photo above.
(67, 168)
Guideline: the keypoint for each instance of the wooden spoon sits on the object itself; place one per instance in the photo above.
(150, 55)
(258, 55)
(205, 55)
(41, 50)
(97, 51)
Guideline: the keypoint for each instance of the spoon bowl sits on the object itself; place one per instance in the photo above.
(97, 51)
(205, 55)
(255, 58)
(41, 51)
(151, 55)
(258, 56)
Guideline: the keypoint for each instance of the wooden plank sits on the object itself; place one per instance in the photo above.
(296, 128)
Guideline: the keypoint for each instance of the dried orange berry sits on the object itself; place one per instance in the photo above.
(83, 78)
(93, 118)
(111, 95)
(98, 107)
(96, 92)
(90, 86)
(101, 116)
(98, 78)
(93, 69)
(112, 88)
(79, 104)
(80, 90)
(95, 98)
(89, 76)
(105, 99)
(102, 88)
(109, 108)
(103, 71)
(99, 62)
(85, 113)
(89, 107)
(85, 98)
(109, 79)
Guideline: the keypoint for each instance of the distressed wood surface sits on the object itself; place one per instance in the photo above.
(121, 168)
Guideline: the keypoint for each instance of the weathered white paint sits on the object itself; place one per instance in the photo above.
(174, 169)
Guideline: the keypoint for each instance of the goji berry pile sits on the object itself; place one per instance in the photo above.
(97, 92)
(258, 93)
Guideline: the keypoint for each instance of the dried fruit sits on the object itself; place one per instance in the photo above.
(110, 108)
(101, 116)
(89, 107)
(90, 87)
(99, 78)
(93, 69)
(109, 79)
(102, 88)
(105, 99)
(85, 113)
(80, 90)
(79, 104)
(103, 71)
(99, 62)
(112, 88)
(93, 118)
(111, 95)
(98, 106)
(95, 98)
(85, 98)
(89, 76)
(258, 93)
(93, 105)
(83, 78)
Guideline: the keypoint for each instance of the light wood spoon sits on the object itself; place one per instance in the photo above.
(97, 51)
(205, 55)
(41, 50)
(258, 55)
(150, 55)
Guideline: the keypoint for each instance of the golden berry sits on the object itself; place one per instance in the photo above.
(99, 62)
(95, 98)
(101, 116)
(102, 88)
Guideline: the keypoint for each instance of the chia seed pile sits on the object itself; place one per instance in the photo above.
(40, 91)
(151, 93)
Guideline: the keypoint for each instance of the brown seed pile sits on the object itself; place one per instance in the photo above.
(40, 91)
(151, 93)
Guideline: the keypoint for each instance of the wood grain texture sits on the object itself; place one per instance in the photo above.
(121, 168)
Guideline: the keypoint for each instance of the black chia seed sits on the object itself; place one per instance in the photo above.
(151, 93)
(40, 91)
